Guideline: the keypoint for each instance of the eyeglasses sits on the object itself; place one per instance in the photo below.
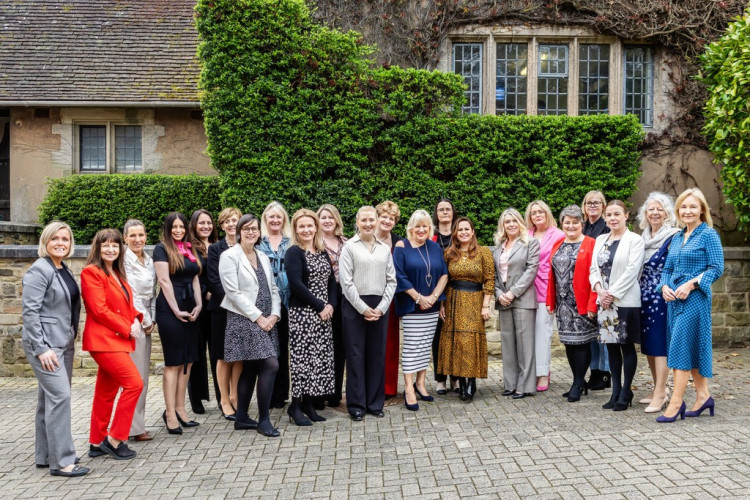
(250, 230)
(593, 203)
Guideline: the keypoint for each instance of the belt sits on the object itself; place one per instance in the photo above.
(465, 286)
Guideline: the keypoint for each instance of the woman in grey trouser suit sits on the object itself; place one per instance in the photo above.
(51, 309)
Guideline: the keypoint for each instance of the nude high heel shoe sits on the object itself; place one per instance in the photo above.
(656, 409)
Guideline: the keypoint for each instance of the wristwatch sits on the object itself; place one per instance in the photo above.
(696, 285)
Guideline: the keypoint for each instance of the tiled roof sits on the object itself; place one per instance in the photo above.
(98, 50)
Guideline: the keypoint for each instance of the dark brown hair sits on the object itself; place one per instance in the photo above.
(176, 259)
(95, 254)
(195, 240)
(453, 252)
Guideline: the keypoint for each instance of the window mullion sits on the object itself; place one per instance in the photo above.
(488, 77)
(533, 72)
(573, 78)
(616, 81)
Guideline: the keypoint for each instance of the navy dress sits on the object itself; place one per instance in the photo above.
(653, 307)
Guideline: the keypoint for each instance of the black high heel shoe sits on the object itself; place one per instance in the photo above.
(189, 423)
(576, 391)
(625, 400)
(585, 388)
(308, 408)
(422, 396)
(176, 430)
(612, 400)
(471, 389)
(295, 414)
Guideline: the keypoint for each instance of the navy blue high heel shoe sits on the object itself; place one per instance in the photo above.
(422, 396)
(413, 407)
(668, 420)
(708, 405)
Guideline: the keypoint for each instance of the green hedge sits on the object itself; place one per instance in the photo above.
(92, 202)
(297, 112)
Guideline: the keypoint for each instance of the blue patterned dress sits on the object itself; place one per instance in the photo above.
(689, 320)
(653, 307)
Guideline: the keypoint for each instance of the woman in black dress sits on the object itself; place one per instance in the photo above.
(311, 303)
(177, 308)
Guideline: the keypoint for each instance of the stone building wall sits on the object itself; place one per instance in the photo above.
(731, 309)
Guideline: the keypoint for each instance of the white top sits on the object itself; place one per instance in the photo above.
(142, 280)
(365, 272)
(503, 263)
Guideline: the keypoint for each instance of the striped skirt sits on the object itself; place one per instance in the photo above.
(419, 330)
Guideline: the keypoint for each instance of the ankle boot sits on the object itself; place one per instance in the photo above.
(308, 408)
(295, 413)
(625, 400)
(596, 382)
(471, 388)
(462, 388)
(613, 399)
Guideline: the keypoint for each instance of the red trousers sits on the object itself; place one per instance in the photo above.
(116, 370)
(392, 352)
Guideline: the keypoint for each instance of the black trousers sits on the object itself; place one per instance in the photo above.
(281, 384)
(198, 381)
(364, 344)
(339, 354)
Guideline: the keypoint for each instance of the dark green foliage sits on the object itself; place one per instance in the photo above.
(93, 202)
(726, 73)
(296, 112)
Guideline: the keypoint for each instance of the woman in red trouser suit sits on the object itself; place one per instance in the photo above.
(112, 324)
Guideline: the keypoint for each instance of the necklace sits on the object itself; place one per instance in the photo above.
(428, 264)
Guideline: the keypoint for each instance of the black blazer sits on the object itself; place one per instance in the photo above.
(299, 281)
(213, 280)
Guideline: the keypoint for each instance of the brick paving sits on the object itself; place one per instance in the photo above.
(494, 447)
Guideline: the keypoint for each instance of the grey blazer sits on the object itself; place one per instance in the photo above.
(241, 283)
(522, 267)
(47, 311)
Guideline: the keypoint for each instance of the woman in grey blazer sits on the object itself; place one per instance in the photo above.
(516, 259)
(51, 309)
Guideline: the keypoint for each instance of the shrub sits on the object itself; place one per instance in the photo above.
(296, 112)
(92, 202)
(726, 73)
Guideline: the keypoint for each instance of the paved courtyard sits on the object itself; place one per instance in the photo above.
(540, 447)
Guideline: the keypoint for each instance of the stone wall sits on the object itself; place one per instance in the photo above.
(731, 309)
(13, 233)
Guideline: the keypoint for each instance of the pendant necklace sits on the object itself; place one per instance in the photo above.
(427, 263)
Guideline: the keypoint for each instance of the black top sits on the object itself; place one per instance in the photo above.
(182, 277)
(213, 280)
(299, 281)
(595, 229)
(75, 294)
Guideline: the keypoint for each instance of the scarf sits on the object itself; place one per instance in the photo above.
(184, 248)
(654, 242)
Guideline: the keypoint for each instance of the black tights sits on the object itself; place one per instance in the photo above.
(622, 356)
(579, 358)
(264, 370)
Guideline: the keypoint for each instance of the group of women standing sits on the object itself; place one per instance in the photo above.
(295, 296)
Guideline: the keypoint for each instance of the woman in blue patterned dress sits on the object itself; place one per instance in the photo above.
(695, 261)
(656, 219)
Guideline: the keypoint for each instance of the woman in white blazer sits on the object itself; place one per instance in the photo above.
(253, 307)
(615, 269)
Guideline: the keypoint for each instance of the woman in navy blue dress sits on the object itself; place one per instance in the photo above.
(656, 219)
(695, 261)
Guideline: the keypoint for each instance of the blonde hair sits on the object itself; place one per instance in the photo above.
(300, 214)
(48, 233)
(698, 195)
(390, 208)
(551, 222)
(275, 206)
(363, 209)
(500, 235)
(592, 194)
(418, 217)
(339, 230)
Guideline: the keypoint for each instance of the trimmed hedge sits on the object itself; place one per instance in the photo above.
(296, 112)
(92, 202)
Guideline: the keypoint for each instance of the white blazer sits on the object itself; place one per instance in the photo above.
(241, 283)
(626, 269)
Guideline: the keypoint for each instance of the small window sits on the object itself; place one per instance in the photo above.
(93, 144)
(593, 79)
(639, 81)
(510, 86)
(552, 93)
(467, 62)
(127, 148)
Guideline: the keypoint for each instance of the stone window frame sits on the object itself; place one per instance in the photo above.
(534, 36)
(110, 146)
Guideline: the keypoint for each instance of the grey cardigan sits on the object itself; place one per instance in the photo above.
(522, 267)
(47, 311)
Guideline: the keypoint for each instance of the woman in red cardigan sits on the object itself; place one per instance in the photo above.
(569, 294)
(112, 325)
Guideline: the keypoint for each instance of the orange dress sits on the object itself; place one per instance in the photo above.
(463, 342)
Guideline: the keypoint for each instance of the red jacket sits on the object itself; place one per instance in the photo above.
(109, 312)
(585, 296)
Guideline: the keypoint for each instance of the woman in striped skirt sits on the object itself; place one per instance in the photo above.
(421, 276)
